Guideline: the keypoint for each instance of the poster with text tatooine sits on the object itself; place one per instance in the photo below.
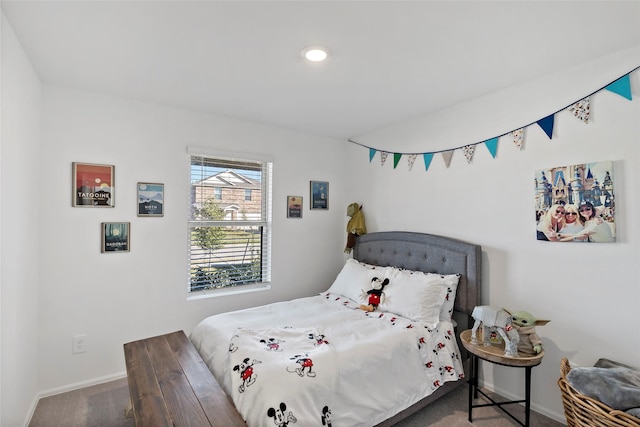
(93, 185)
(576, 203)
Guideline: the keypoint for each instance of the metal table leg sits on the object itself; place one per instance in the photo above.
(473, 385)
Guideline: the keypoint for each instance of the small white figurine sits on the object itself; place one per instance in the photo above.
(498, 319)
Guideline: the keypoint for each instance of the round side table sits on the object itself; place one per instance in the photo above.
(495, 354)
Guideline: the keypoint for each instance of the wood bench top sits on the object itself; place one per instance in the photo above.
(170, 385)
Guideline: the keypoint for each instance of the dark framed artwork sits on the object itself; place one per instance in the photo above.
(294, 206)
(319, 195)
(115, 237)
(576, 203)
(93, 185)
(150, 199)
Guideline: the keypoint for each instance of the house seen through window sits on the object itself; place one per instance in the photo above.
(229, 224)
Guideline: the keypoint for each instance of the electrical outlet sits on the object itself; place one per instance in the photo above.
(79, 344)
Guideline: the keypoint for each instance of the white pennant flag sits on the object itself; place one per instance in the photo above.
(383, 157)
(411, 160)
(581, 110)
(518, 137)
(468, 151)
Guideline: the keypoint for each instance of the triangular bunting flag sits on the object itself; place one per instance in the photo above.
(411, 160)
(547, 125)
(468, 151)
(383, 157)
(492, 146)
(518, 137)
(446, 155)
(372, 152)
(427, 160)
(622, 87)
(581, 110)
(396, 159)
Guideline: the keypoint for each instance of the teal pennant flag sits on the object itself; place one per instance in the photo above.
(396, 159)
(547, 125)
(622, 87)
(427, 160)
(492, 146)
(372, 152)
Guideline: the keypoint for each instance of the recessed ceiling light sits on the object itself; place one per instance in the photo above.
(316, 53)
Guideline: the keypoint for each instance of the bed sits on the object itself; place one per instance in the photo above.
(324, 361)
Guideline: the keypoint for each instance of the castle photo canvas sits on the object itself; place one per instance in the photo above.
(576, 203)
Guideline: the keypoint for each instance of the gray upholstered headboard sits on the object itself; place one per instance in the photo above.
(428, 253)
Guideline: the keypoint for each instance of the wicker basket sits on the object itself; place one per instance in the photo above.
(581, 410)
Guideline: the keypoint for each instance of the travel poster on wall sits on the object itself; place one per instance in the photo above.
(115, 237)
(150, 199)
(294, 207)
(319, 195)
(576, 203)
(93, 185)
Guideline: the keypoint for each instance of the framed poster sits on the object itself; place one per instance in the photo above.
(150, 199)
(115, 236)
(93, 185)
(319, 195)
(576, 203)
(294, 206)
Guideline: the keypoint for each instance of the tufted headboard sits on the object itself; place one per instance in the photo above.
(428, 253)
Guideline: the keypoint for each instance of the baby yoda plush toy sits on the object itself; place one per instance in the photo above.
(530, 343)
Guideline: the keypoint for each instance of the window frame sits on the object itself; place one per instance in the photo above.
(264, 224)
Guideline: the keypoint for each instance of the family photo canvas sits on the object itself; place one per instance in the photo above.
(576, 203)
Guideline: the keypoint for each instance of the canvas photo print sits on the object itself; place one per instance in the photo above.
(576, 203)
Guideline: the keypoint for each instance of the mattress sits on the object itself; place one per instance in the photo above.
(374, 364)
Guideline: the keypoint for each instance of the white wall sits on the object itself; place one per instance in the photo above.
(590, 291)
(119, 297)
(21, 186)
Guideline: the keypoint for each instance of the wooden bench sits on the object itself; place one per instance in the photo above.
(170, 385)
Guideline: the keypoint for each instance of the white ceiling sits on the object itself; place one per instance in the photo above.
(391, 61)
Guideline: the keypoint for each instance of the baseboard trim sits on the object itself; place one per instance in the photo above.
(82, 384)
(70, 387)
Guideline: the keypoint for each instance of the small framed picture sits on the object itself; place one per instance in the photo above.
(93, 185)
(150, 199)
(294, 206)
(319, 195)
(115, 236)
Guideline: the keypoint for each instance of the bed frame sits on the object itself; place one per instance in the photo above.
(431, 254)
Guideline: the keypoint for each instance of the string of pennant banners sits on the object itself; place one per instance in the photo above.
(579, 109)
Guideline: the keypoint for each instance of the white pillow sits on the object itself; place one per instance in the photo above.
(415, 295)
(451, 281)
(355, 277)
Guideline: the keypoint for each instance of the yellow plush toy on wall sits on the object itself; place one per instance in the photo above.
(355, 226)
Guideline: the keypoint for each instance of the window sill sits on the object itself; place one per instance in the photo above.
(231, 290)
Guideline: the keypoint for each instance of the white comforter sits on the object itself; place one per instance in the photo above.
(384, 363)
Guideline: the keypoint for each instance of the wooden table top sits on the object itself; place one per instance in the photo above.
(495, 353)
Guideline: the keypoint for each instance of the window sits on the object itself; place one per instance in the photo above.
(229, 237)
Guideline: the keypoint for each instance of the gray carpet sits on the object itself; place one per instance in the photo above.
(103, 406)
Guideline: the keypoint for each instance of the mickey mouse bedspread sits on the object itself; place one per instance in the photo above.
(372, 365)
(282, 375)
